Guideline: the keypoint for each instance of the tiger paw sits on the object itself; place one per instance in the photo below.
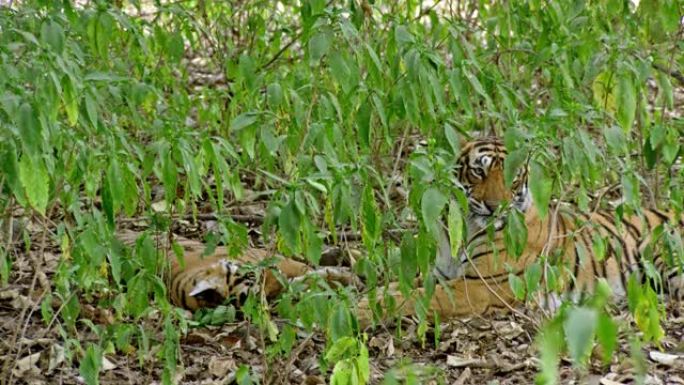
(341, 275)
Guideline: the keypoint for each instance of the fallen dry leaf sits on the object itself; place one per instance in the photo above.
(26, 364)
(459, 362)
(508, 329)
(605, 381)
(465, 376)
(220, 366)
(665, 358)
(56, 357)
(107, 364)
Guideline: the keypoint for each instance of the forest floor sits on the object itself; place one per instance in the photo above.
(497, 349)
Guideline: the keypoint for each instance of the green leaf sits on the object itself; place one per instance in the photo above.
(580, 326)
(370, 219)
(408, 264)
(175, 47)
(340, 323)
(342, 374)
(517, 286)
(363, 364)
(247, 71)
(533, 275)
(52, 34)
(512, 163)
(146, 253)
(6, 269)
(606, 334)
(70, 100)
(550, 341)
(138, 295)
(30, 129)
(425, 254)
(169, 177)
(36, 182)
(540, 187)
(630, 188)
(343, 347)
(318, 46)
(191, 169)
(379, 109)
(455, 226)
(665, 88)
(248, 141)
(616, 140)
(108, 202)
(431, 204)
(475, 83)
(515, 233)
(599, 246)
(31, 38)
(643, 303)
(633, 293)
(114, 258)
(317, 6)
(363, 122)
(104, 77)
(116, 188)
(9, 168)
(603, 89)
(90, 365)
(402, 35)
(288, 225)
(313, 244)
(626, 101)
(91, 109)
(131, 192)
(452, 138)
(274, 94)
(243, 120)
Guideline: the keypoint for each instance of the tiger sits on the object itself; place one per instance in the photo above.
(195, 281)
(475, 281)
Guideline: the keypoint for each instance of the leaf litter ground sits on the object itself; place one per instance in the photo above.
(496, 349)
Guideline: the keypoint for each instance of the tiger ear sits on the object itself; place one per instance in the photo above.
(202, 286)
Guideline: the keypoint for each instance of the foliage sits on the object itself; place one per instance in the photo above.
(313, 104)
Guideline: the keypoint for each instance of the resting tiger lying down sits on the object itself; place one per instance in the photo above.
(215, 279)
(476, 280)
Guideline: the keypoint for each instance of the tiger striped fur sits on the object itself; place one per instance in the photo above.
(215, 279)
(476, 280)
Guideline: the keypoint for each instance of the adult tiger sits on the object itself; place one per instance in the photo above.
(204, 281)
(476, 280)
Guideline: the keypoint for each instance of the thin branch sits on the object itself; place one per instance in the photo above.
(281, 51)
(675, 74)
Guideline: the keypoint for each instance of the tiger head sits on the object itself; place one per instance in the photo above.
(480, 173)
(217, 283)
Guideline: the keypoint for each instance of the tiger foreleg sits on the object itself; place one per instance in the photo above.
(338, 274)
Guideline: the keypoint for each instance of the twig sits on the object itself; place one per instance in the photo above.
(491, 290)
(284, 48)
(294, 355)
(281, 51)
(23, 316)
(426, 11)
(675, 74)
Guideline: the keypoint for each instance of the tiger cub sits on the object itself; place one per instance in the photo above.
(476, 280)
(208, 281)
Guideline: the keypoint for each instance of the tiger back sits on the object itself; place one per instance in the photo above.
(476, 279)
